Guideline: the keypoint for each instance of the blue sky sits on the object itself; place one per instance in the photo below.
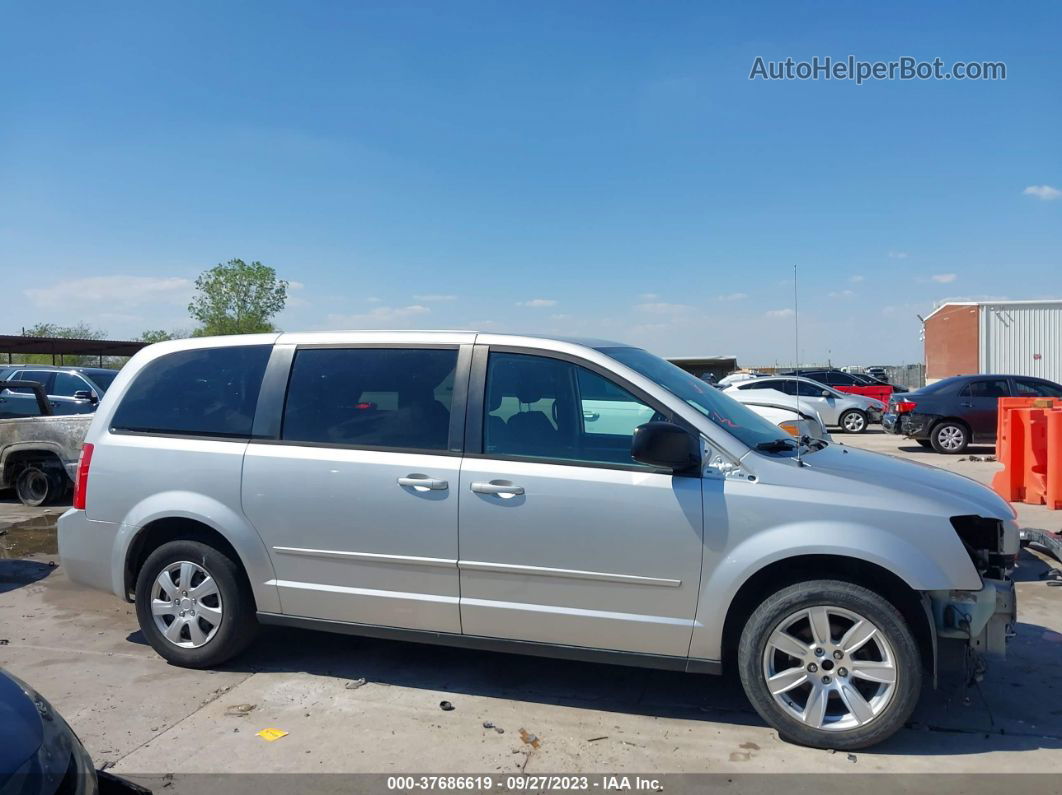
(602, 169)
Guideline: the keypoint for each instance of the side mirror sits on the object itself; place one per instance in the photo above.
(84, 394)
(665, 445)
(825, 393)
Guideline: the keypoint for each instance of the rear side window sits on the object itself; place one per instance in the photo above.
(46, 378)
(371, 397)
(995, 388)
(203, 392)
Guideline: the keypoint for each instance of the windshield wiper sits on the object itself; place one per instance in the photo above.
(777, 445)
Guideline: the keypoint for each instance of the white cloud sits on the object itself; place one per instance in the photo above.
(115, 292)
(944, 278)
(732, 297)
(899, 254)
(434, 297)
(856, 279)
(295, 285)
(648, 297)
(1044, 192)
(372, 299)
(842, 294)
(663, 308)
(537, 303)
(779, 313)
(380, 317)
(559, 317)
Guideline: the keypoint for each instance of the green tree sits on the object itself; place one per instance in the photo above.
(161, 335)
(80, 331)
(237, 298)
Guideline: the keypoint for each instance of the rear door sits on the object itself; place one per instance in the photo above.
(564, 538)
(356, 497)
(979, 405)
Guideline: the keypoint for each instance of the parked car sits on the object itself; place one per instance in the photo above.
(850, 413)
(71, 390)
(741, 375)
(850, 383)
(950, 414)
(795, 418)
(40, 753)
(38, 455)
(313, 480)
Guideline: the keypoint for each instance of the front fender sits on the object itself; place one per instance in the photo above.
(229, 524)
(926, 566)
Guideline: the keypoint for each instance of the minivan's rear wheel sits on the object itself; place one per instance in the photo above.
(194, 605)
(853, 421)
(830, 664)
(949, 437)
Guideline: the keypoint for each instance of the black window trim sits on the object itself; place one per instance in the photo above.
(477, 398)
(278, 377)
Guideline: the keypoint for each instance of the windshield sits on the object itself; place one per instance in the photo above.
(102, 378)
(720, 408)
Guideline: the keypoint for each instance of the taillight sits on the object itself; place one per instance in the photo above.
(81, 482)
(903, 406)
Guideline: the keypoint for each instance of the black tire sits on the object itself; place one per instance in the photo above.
(238, 624)
(856, 418)
(925, 443)
(949, 437)
(37, 485)
(776, 609)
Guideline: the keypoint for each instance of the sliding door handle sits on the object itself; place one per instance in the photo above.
(423, 483)
(501, 488)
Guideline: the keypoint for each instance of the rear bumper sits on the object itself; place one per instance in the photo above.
(86, 551)
(914, 426)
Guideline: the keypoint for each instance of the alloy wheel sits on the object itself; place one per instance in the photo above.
(951, 438)
(830, 668)
(854, 422)
(186, 604)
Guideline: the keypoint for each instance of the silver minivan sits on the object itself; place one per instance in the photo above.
(468, 489)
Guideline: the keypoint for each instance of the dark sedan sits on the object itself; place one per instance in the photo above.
(41, 755)
(951, 414)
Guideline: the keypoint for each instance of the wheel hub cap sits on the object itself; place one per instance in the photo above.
(186, 604)
(830, 668)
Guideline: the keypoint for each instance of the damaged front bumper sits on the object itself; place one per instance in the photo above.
(983, 621)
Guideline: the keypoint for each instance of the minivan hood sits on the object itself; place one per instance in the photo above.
(956, 495)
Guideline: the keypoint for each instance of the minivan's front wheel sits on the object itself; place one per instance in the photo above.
(853, 421)
(194, 607)
(830, 664)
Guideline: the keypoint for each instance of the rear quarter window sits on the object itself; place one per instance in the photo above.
(201, 392)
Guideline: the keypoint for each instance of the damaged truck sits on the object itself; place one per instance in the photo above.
(38, 454)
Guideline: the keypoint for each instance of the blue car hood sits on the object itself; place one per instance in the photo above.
(22, 730)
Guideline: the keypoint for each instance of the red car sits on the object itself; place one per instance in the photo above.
(852, 383)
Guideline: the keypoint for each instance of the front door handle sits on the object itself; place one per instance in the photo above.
(423, 483)
(501, 488)
(966, 405)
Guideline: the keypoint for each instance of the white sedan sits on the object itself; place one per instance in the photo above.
(850, 413)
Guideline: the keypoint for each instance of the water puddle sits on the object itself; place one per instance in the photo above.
(34, 536)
